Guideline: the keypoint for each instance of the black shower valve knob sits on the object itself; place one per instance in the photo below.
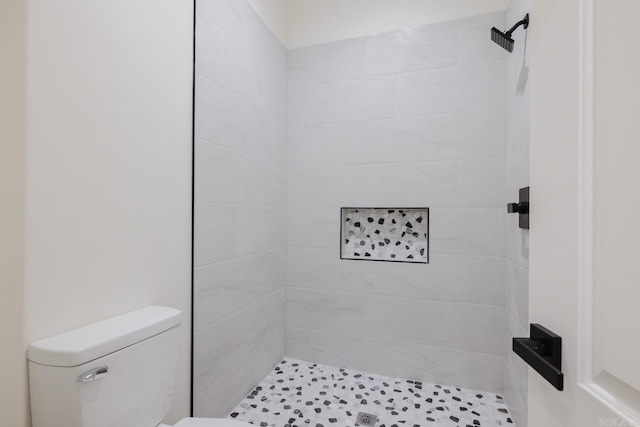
(522, 207)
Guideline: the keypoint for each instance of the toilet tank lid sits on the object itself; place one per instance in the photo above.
(93, 341)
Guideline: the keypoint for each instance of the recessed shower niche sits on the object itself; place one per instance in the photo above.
(385, 234)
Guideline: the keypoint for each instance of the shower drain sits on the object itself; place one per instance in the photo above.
(365, 419)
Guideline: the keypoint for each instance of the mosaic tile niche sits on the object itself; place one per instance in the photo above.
(385, 234)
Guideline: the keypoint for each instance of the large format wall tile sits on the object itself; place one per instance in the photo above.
(381, 278)
(469, 279)
(266, 183)
(348, 101)
(240, 204)
(418, 48)
(219, 348)
(327, 311)
(229, 15)
(466, 327)
(327, 63)
(464, 231)
(313, 268)
(220, 174)
(406, 118)
(229, 177)
(468, 135)
(476, 370)
(481, 182)
(460, 88)
(410, 118)
(272, 102)
(372, 141)
(224, 232)
(222, 60)
(422, 184)
(298, 343)
(231, 387)
(455, 136)
(313, 227)
(223, 288)
(340, 350)
(227, 120)
(516, 239)
(480, 371)
(517, 292)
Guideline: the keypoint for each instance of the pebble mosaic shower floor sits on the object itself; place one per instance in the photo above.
(301, 394)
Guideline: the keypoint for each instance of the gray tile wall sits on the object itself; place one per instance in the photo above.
(407, 118)
(240, 199)
(517, 240)
(414, 117)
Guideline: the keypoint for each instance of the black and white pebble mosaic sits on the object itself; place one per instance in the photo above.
(300, 394)
(386, 234)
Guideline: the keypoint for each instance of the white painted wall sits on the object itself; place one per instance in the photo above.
(307, 22)
(108, 165)
(13, 387)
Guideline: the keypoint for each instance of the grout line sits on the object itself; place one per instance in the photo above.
(253, 254)
(260, 348)
(453, 113)
(240, 205)
(245, 49)
(402, 163)
(443, 255)
(242, 308)
(366, 77)
(481, 110)
(242, 99)
(239, 257)
(244, 153)
(411, 298)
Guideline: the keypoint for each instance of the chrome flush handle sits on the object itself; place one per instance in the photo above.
(94, 374)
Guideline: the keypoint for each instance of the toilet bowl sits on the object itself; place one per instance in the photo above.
(120, 371)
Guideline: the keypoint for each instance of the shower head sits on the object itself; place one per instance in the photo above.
(504, 40)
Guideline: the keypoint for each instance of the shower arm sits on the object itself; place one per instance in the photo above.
(525, 22)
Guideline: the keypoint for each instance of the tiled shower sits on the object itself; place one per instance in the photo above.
(429, 117)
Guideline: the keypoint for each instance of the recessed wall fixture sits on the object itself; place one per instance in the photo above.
(385, 234)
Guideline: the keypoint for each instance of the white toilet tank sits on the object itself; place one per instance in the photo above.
(120, 372)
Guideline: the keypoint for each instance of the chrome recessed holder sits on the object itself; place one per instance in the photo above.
(521, 208)
(543, 352)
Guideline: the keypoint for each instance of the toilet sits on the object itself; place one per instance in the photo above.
(119, 372)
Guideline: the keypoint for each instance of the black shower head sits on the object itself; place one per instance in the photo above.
(504, 40)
